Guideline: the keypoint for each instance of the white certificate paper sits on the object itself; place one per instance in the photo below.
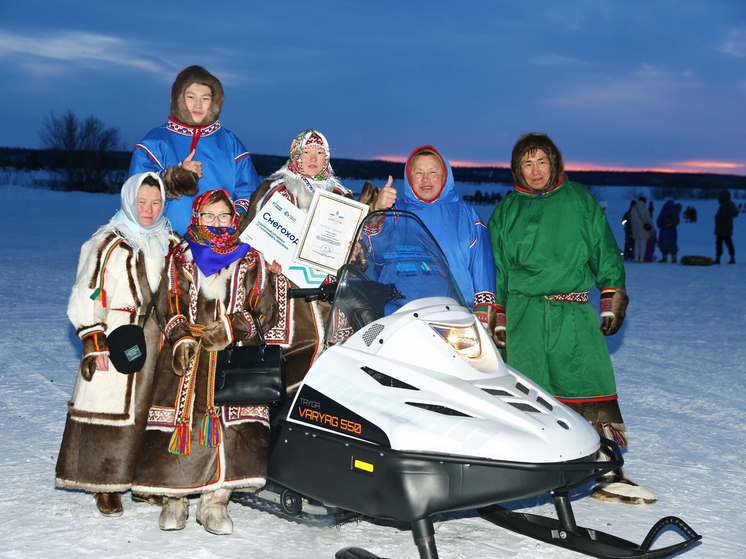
(274, 232)
(329, 231)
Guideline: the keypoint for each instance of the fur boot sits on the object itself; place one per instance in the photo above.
(617, 487)
(212, 512)
(673, 259)
(109, 504)
(174, 513)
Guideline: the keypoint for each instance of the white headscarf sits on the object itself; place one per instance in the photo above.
(127, 220)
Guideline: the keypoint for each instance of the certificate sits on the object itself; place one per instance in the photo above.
(275, 232)
(329, 231)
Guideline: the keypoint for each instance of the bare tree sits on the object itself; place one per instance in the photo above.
(82, 150)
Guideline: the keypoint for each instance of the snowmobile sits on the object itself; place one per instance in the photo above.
(411, 412)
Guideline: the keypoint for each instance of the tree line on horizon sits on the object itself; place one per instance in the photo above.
(89, 156)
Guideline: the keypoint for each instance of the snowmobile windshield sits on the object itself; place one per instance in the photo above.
(395, 261)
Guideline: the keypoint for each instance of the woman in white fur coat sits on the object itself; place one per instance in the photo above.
(118, 274)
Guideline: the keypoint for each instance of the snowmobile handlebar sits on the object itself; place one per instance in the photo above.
(324, 292)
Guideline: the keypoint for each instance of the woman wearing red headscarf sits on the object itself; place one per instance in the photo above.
(192, 445)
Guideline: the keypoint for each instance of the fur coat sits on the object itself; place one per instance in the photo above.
(301, 325)
(107, 412)
(186, 301)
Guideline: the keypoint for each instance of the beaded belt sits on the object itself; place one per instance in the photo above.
(569, 297)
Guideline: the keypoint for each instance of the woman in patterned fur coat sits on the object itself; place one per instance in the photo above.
(118, 273)
(192, 445)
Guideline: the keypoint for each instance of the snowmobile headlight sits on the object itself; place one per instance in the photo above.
(464, 341)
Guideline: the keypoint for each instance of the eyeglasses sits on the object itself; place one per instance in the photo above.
(209, 219)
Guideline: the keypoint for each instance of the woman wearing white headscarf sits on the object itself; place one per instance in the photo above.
(118, 273)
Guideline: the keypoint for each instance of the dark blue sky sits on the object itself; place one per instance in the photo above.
(617, 84)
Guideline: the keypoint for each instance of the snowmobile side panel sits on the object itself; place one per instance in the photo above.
(404, 486)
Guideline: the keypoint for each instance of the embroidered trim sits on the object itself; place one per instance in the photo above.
(91, 330)
(99, 292)
(607, 298)
(184, 130)
(228, 327)
(569, 297)
(177, 320)
(499, 317)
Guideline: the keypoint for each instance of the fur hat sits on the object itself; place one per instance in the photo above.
(529, 143)
(188, 76)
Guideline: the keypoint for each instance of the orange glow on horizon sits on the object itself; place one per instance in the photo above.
(704, 166)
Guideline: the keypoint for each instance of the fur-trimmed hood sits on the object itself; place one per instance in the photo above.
(448, 192)
(188, 76)
(529, 143)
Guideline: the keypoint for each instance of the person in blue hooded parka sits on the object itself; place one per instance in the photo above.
(192, 153)
(430, 193)
(667, 222)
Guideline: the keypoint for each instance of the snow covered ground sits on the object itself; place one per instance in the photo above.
(680, 362)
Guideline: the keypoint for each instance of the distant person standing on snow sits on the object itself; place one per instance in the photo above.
(667, 222)
(642, 227)
(192, 152)
(552, 244)
(724, 226)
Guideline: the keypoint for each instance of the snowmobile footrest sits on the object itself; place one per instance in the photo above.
(585, 540)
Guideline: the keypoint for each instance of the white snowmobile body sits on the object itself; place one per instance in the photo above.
(413, 391)
(411, 411)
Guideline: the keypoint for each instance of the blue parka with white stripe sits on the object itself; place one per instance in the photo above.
(460, 233)
(225, 163)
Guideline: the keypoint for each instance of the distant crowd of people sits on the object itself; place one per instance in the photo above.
(641, 239)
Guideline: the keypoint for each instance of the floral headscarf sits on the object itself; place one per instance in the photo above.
(214, 248)
(308, 138)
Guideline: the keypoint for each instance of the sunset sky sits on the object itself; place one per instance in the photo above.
(657, 85)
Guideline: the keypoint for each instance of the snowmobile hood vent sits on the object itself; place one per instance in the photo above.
(503, 394)
(443, 410)
(497, 392)
(524, 407)
(386, 380)
(372, 333)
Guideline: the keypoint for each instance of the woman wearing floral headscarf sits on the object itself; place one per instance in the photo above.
(191, 444)
(307, 170)
(118, 273)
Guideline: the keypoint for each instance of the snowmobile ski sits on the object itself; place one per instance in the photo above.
(563, 532)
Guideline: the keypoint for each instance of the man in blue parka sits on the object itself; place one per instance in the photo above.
(430, 193)
(192, 152)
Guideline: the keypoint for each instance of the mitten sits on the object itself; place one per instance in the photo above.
(613, 310)
(369, 194)
(184, 351)
(217, 335)
(88, 366)
(178, 181)
(94, 344)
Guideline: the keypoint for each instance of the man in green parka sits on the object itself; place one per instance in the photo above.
(552, 242)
